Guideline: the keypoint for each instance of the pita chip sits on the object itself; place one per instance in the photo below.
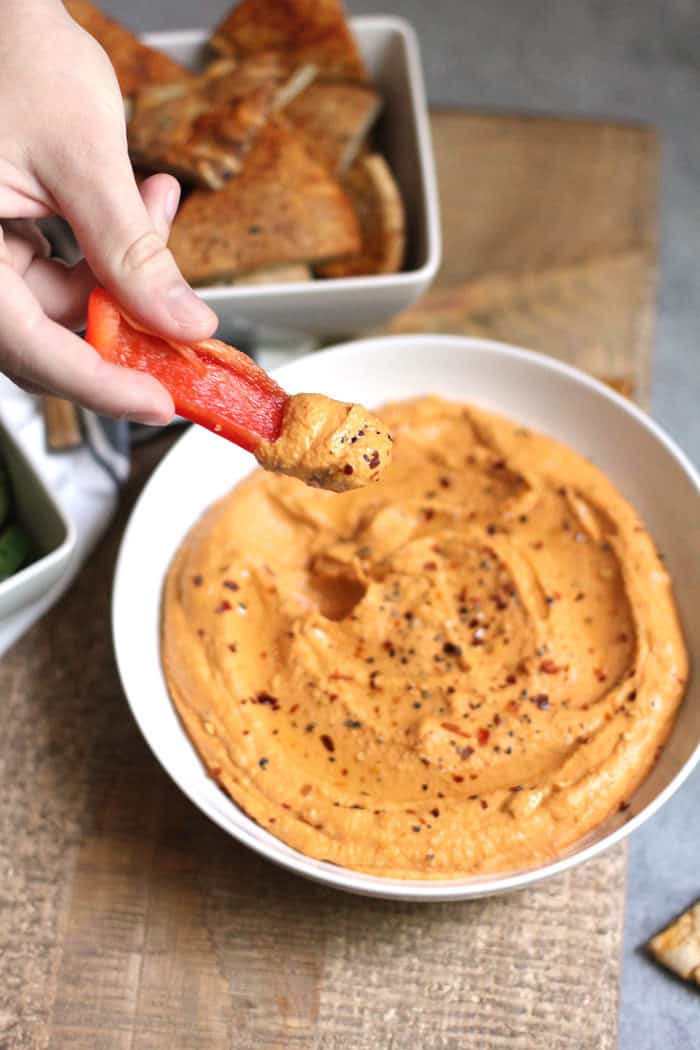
(377, 201)
(134, 63)
(334, 118)
(201, 130)
(305, 31)
(283, 207)
(678, 946)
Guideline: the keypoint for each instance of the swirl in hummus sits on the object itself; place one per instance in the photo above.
(327, 444)
(462, 669)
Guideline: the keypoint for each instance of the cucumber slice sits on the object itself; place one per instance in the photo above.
(15, 547)
(5, 495)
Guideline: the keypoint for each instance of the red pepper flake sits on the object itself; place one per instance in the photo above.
(600, 674)
(444, 482)
(483, 736)
(497, 720)
(198, 580)
(348, 469)
(327, 742)
(540, 700)
(389, 647)
(270, 701)
(549, 667)
(223, 606)
(428, 513)
(466, 752)
(216, 772)
(429, 566)
(231, 585)
(293, 708)
(336, 676)
(457, 777)
(233, 647)
(514, 706)
(452, 728)
(200, 632)
(511, 679)
(484, 804)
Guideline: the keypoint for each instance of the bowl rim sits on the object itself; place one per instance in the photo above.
(428, 202)
(60, 553)
(358, 882)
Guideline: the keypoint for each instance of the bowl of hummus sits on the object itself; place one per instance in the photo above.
(463, 678)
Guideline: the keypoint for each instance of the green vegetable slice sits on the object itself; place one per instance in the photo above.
(15, 548)
(5, 495)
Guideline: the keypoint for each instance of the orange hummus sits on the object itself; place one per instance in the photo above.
(462, 669)
(327, 444)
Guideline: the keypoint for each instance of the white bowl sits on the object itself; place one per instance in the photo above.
(540, 392)
(349, 304)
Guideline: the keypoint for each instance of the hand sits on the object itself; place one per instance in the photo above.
(63, 152)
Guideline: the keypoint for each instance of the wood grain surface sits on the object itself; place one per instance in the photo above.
(128, 921)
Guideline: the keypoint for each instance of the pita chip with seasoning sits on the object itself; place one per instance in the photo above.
(261, 218)
(305, 31)
(678, 946)
(135, 64)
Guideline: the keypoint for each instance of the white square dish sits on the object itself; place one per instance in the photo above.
(345, 305)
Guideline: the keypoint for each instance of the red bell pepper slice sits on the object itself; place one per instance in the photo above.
(210, 383)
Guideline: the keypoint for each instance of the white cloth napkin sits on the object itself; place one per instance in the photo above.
(85, 491)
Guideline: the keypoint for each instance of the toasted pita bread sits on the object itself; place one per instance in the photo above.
(306, 31)
(334, 118)
(277, 275)
(200, 130)
(377, 201)
(283, 207)
(678, 946)
(135, 64)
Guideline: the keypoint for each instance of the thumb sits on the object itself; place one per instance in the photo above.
(125, 250)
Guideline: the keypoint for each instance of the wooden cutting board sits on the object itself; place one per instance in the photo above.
(130, 922)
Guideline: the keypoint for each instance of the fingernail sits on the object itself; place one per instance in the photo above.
(172, 199)
(186, 308)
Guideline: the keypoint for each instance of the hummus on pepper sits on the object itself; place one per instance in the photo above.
(462, 669)
(327, 444)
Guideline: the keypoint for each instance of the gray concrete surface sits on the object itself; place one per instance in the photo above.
(633, 60)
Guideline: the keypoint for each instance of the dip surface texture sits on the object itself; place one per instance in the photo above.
(462, 669)
(328, 444)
